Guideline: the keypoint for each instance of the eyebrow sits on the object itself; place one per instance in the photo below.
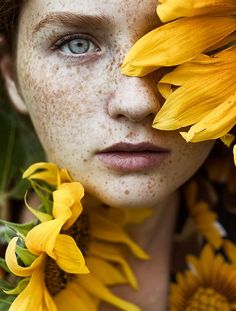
(72, 20)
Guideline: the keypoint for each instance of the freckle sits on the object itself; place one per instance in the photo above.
(126, 192)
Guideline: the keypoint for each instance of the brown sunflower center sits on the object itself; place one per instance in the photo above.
(206, 299)
(56, 279)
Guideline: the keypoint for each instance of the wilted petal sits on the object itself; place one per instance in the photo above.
(175, 43)
(169, 10)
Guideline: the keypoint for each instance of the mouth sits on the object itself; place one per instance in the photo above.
(126, 157)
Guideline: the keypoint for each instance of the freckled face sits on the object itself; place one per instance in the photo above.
(68, 59)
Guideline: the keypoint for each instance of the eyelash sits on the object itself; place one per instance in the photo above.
(58, 45)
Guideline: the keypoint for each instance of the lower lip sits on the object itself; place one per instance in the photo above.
(132, 161)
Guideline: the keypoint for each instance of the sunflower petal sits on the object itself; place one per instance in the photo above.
(13, 265)
(176, 43)
(216, 124)
(113, 254)
(205, 83)
(68, 256)
(35, 296)
(106, 272)
(98, 289)
(169, 10)
(49, 173)
(75, 298)
(104, 229)
(42, 238)
(67, 202)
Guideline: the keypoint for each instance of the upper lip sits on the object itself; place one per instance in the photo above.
(129, 147)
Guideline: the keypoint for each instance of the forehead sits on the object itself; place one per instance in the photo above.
(117, 10)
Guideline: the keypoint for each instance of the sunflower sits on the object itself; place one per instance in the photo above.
(74, 253)
(210, 284)
(203, 218)
(198, 39)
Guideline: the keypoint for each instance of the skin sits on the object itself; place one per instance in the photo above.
(82, 104)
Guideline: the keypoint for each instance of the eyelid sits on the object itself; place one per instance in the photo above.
(69, 37)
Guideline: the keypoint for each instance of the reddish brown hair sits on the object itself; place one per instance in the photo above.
(9, 14)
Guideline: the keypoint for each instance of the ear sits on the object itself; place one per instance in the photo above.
(6, 68)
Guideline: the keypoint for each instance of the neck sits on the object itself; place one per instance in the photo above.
(155, 236)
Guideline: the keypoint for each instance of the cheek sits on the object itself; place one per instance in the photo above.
(64, 101)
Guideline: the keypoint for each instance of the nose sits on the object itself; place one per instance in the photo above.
(135, 99)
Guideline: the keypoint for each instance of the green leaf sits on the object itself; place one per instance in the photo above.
(19, 288)
(5, 285)
(3, 265)
(21, 148)
(26, 257)
(21, 229)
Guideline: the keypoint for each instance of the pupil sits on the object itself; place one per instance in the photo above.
(79, 46)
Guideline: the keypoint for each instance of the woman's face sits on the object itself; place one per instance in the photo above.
(90, 118)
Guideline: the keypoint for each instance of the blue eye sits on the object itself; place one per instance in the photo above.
(77, 46)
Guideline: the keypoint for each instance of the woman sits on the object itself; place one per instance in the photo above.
(61, 63)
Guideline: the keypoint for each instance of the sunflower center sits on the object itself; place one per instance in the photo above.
(206, 299)
(56, 279)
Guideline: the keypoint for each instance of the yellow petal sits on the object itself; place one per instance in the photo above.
(205, 83)
(67, 202)
(98, 289)
(104, 271)
(42, 217)
(65, 176)
(49, 173)
(169, 10)
(42, 238)
(234, 152)
(216, 124)
(228, 139)
(103, 229)
(176, 43)
(68, 256)
(113, 254)
(15, 268)
(35, 296)
(230, 250)
(74, 298)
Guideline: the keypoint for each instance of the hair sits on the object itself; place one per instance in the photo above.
(9, 15)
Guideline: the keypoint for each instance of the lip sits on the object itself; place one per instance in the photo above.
(126, 157)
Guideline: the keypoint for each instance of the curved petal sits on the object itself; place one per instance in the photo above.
(104, 229)
(113, 254)
(98, 289)
(216, 124)
(35, 296)
(42, 238)
(169, 10)
(176, 43)
(69, 194)
(106, 272)
(49, 173)
(205, 83)
(75, 298)
(68, 256)
(14, 267)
